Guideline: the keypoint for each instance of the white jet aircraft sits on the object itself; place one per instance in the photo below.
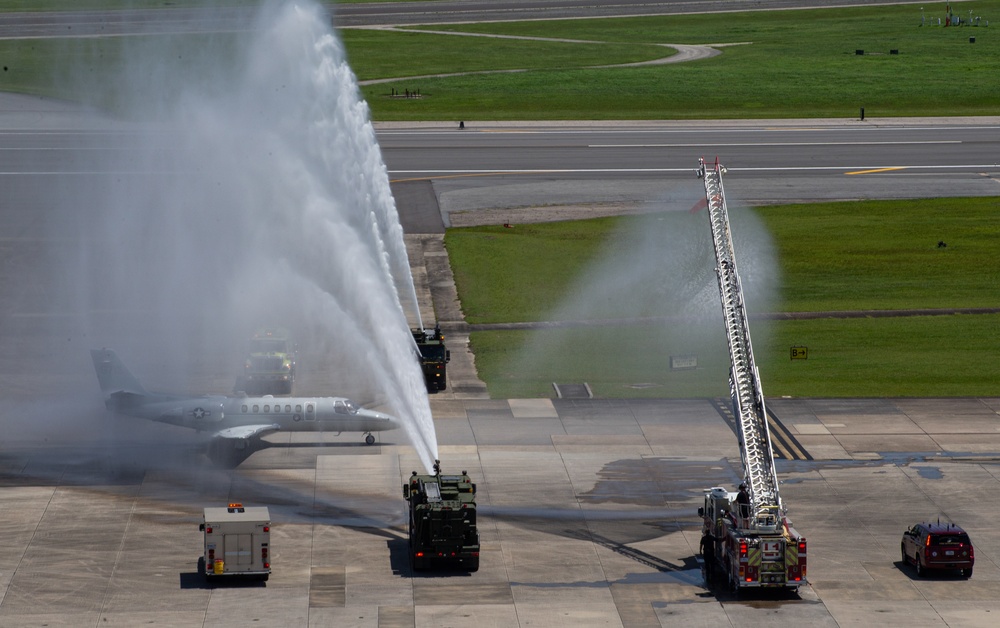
(237, 423)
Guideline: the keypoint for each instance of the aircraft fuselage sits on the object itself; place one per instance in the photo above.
(297, 414)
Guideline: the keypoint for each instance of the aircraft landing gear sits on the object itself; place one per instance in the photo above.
(369, 438)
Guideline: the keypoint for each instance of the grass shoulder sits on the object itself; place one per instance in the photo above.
(885, 255)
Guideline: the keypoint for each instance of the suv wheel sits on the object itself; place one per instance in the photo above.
(921, 572)
(967, 573)
(902, 552)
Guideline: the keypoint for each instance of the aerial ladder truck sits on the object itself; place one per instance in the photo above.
(747, 541)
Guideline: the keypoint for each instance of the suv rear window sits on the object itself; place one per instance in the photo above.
(950, 539)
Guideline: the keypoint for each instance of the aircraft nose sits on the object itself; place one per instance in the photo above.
(383, 420)
(394, 423)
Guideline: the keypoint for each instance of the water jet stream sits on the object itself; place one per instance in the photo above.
(255, 194)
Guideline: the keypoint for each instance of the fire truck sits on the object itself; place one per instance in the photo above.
(237, 541)
(433, 357)
(747, 540)
(269, 368)
(443, 530)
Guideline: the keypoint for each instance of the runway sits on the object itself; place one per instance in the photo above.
(630, 165)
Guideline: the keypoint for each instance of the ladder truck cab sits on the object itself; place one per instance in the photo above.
(746, 552)
(443, 530)
(237, 541)
(746, 540)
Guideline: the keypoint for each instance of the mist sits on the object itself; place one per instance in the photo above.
(657, 276)
(244, 188)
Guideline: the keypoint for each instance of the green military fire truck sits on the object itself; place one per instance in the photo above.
(443, 531)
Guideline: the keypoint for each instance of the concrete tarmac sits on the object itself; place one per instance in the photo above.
(587, 513)
(588, 519)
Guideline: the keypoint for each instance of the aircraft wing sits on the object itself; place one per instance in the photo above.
(247, 431)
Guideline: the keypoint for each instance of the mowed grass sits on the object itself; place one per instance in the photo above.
(786, 64)
(923, 356)
(878, 255)
(796, 64)
(380, 54)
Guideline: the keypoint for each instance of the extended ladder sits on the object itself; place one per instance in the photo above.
(744, 381)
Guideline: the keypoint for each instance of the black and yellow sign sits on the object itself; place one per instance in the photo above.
(800, 353)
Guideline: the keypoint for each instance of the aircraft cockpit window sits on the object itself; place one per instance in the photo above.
(256, 408)
(345, 406)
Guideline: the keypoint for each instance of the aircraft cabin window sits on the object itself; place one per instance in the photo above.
(256, 408)
(244, 408)
(288, 408)
(298, 407)
(309, 408)
(267, 408)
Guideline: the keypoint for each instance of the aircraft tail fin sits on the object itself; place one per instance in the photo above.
(112, 374)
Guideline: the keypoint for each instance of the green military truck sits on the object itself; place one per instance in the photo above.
(269, 368)
(433, 357)
(443, 531)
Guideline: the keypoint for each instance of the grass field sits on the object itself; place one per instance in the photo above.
(885, 256)
(788, 64)
(925, 356)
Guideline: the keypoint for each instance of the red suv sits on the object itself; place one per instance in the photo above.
(938, 546)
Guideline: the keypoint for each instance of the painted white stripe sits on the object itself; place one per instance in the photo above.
(760, 144)
(976, 167)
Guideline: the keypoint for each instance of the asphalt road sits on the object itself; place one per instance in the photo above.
(514, 165)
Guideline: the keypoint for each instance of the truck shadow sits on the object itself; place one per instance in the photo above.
(197, 580)
(399, 562)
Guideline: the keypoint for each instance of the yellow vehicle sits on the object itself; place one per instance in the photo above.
(269, 368)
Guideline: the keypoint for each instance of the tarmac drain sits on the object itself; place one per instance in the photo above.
(573, 391)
